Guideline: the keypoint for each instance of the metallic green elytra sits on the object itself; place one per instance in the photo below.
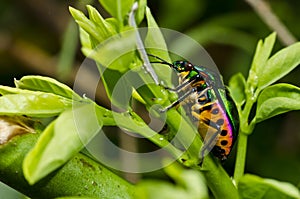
(206, 100)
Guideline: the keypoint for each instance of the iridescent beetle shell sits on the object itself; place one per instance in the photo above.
(209, 105)
(214, 112)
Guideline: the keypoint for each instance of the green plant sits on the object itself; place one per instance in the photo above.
(71, 130)
(271, 99)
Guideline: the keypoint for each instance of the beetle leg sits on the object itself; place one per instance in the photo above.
(207, 143)
(183, 97)
(183, 85)
(180, 99)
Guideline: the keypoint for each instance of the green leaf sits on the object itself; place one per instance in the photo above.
(46, 84)
(149, 190)
(154, 41)
(279, 65)
(190, 184)
(116, 53)
(155, 44)
(193, 181)
(140, 13)
(251, 186)
(262, 53)
(75, 197)
(96, 28)
(84, 38)
(62, 139)
(118, 9)
(35, 104)
(110, 78)
(86, 24)
(277, 99)
(114, 56)
(72, 130)
(4, 90)
(104, 28)
(237, 88)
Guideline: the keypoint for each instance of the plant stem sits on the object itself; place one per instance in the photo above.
(245, 130)
(241, 156)
(218, 180)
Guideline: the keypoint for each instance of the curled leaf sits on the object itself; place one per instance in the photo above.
(12, 126)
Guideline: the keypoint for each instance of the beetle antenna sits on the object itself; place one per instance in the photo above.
(162, 61)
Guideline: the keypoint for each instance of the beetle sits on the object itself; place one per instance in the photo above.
(208, 102)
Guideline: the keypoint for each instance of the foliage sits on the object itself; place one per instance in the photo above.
(80, 176)
(188, 184)
(251, 186)
(263, 72)
(101, 40)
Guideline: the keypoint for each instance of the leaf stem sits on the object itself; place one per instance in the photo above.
(241, 156)
(245, 130)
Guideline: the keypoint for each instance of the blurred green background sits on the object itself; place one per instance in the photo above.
(39, 37)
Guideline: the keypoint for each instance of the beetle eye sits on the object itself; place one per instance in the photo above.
(188, 66)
